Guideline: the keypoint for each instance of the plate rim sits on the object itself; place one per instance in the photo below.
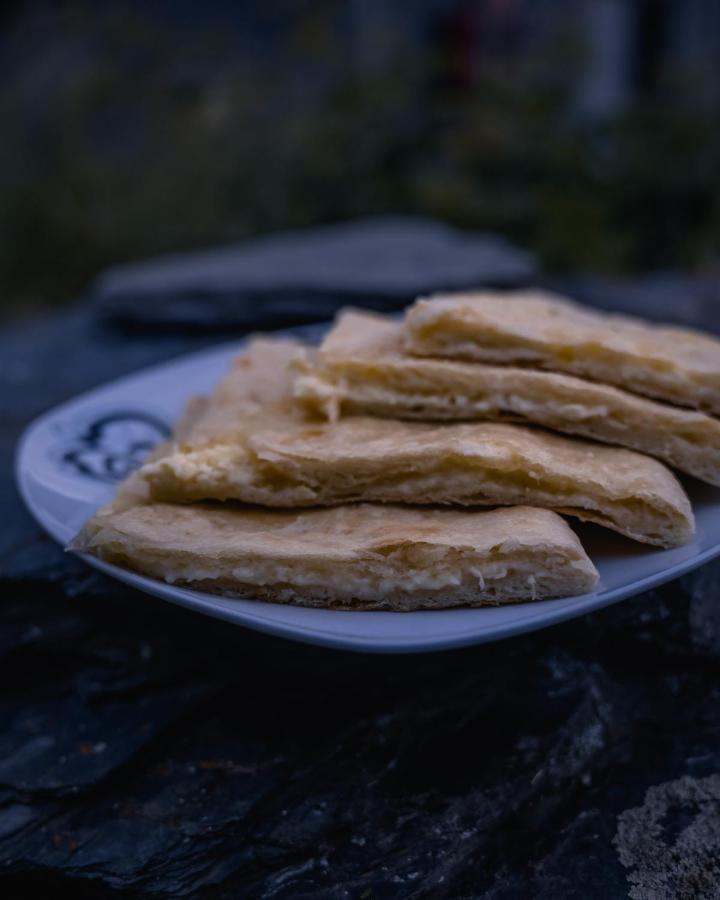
(202, 603)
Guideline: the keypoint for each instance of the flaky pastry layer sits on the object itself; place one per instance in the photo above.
(485, 464)
(272, 458)
(361, 557)
(541, 329)
(361, 368)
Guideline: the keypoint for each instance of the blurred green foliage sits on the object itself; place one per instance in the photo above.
(123, 139)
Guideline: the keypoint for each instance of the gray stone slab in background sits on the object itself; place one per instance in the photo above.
(395, 256)
(383, 262)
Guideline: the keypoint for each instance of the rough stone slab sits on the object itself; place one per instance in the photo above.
(304, 276)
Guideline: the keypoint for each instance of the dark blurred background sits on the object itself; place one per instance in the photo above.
(585, 131)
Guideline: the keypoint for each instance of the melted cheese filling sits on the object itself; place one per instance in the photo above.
(364, 579)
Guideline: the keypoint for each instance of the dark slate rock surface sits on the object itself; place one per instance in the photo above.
(146, 751)
(305, 276)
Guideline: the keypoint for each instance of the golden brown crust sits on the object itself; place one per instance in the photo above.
(257, 387)
(273, 459)
(352, 557)
(541, 329)
(361, 368)
(478, 464)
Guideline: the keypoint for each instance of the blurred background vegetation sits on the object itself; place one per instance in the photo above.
(585, 130)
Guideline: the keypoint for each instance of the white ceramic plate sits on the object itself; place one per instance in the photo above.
(70, 459)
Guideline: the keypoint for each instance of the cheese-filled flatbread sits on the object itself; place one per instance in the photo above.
(351, 557)
(547, 331)
(270, 457)
(361, 368)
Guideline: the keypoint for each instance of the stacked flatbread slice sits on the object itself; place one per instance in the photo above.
(363, 367)
(350, 557)
(538, 328)
(355, 494)
(357, 556)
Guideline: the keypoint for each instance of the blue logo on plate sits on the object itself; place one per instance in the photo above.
(112, 446)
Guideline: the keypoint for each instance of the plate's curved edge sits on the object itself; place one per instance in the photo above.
(202, 603)
(194, 601)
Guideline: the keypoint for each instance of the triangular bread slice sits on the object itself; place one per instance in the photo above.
(361, 368)
(354, 557)
(267, 456)
(542, 329)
